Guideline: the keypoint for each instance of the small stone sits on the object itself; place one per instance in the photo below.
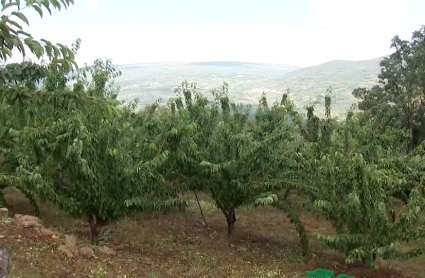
(30, 223)
(55, 237)
(47, 232)
(21, 217)
(64, 250)
(86, 252)
(4, 213)
(71, 242)
(70, 247)
(107, 251)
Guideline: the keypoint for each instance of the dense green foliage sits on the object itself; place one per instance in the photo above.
(97, 158)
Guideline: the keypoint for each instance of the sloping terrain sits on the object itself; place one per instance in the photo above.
(247, 81)
(149, 82)
(309, 84)
(175, 245)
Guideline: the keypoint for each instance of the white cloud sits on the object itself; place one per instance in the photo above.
(92, 4)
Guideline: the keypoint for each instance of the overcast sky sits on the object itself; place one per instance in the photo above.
(295, 32)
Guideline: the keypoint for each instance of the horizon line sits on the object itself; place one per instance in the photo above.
(244, 62)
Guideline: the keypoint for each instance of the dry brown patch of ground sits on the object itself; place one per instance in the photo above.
(265, 244)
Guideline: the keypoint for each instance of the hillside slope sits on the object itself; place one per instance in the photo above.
(310, 84)
(247, 81)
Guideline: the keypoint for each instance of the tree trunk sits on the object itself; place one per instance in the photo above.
(95, 230)
(96, 224)
(393, 216)
(231, 219)
(286, 195)
(369, 259)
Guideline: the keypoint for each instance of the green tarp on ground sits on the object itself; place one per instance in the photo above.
(324, 273)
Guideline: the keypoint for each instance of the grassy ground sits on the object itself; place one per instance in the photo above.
(152, 245)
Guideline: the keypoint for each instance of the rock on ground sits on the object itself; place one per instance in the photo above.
(27, 221)
(107, 251)
(86, 252)
(70, 247)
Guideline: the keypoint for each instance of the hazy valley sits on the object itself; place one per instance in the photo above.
(247, 81)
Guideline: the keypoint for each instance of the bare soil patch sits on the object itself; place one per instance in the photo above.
(265, 244)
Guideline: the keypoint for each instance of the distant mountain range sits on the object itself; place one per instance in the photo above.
(247, 81)
(243, 64)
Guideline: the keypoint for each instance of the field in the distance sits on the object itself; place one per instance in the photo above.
(152, 245)
(247, 81)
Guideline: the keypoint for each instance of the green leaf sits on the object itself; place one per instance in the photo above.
(24, 33)
(46, 4)
(39, 10)
(8, 5)
(5, 30)
(15, 24)
(5, 51)
(21, 16)
(56, 4)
